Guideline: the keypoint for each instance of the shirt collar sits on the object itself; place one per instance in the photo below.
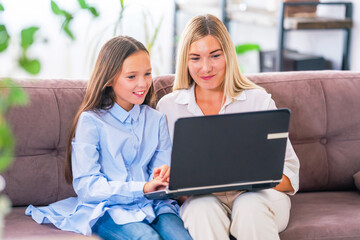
(187, 96)
(122, 115)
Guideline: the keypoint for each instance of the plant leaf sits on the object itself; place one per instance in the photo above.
(6, 145)
(1, 7)
(156, 31)
(67, 30)
(55, 8)
(4, 38)
(93, 11)
(243, 48)
(27, 37)
(122, 3)
(31, 66)
(83, 4)
(18, 97)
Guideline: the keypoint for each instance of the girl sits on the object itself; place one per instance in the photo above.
(119, 149)
(208, 81)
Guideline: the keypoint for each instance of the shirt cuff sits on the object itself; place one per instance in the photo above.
(138, 189)
(293, 180)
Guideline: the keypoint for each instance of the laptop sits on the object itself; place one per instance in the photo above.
(216, 153)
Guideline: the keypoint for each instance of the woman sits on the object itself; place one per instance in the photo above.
(208, 81)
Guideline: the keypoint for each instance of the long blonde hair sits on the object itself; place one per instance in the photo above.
(200, 27)
(99, 95)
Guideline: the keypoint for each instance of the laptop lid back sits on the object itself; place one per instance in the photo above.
(229, 148)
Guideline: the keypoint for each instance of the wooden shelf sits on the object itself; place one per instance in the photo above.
(292, 23)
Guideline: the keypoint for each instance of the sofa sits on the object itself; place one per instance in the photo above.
(324, 130)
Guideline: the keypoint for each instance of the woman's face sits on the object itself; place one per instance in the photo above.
(134, 80)
(206, 63)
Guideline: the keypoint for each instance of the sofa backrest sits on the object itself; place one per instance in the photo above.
(324, 129)
(325, 122)
(41, 130)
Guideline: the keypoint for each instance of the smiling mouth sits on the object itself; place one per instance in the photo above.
(139, 93)
(207, 77)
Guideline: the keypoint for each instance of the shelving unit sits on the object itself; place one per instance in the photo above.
(282, 23)
(318, 23)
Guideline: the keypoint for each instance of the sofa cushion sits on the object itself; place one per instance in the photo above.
(41, 130)
(357, 180)
(324, 215)
(21, 227)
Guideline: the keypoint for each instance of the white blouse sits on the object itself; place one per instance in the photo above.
(181, 103)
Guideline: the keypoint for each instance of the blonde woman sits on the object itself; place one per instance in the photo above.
(208, 81)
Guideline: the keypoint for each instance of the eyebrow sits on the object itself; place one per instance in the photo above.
(210, 52)
(132, 72)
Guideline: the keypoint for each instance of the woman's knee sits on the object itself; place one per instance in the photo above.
(203, 204)
(250, 204)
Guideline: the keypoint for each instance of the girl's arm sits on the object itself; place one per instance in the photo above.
(90, 184)
(162, 153)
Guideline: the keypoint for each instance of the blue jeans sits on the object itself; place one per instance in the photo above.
(166, 226)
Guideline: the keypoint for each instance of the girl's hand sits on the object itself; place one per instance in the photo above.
(154, 185)
(162, 173)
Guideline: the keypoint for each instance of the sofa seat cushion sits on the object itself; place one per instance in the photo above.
(324, 215)
(19, 226)
(357, 180)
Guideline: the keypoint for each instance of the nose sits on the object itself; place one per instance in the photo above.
(142, 83)
(207, 66)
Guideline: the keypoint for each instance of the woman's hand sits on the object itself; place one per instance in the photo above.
(284, 185)
(163, 173)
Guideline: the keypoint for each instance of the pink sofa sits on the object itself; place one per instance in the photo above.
(324, 130)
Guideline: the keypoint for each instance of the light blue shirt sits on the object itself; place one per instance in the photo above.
(113, 155)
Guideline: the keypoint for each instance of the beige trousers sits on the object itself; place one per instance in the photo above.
(248, 215)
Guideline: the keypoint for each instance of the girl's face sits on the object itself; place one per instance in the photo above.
(134, 80)
(207, 63)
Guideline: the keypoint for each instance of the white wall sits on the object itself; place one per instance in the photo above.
(63, 58)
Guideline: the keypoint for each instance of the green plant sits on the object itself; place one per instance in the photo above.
(151, 31)
(242, 49)
(246, 47)
(31, 66)
(67, 17)
(10, 95)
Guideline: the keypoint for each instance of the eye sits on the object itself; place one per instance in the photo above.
(131, 77)
(216, 56)
(194, 58)
(148, 74)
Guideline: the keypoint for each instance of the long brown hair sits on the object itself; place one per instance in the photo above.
(196, 29)
(99, 95)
